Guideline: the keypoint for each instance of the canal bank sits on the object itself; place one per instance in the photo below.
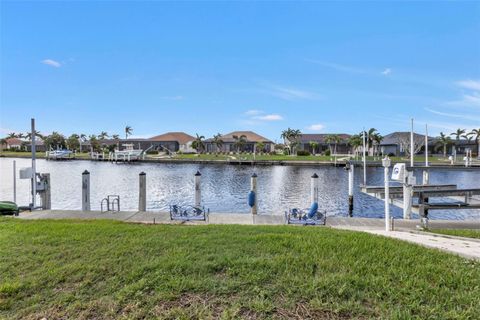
(405, 230)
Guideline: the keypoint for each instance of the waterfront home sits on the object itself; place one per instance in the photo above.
(398, 144)
(12, 143)
(239, 141)
(173, 142)
(322, 143)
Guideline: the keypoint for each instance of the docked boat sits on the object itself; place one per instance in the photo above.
(59, 154)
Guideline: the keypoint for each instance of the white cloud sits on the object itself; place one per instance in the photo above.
(454, 115)
(469, 84)
(387, 71)
(316, 127)
(52, 63)
(336, 66)
(269, 117)
(253, 112)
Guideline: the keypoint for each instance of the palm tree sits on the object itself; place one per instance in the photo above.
(444, 141)
(314, 146)
(335, 139)
(218, 142)
(11, 135)
(355, 142)
(291, 137)
(82, 137)
(240, 142)
(115, 136)
(103, 135)
(198, 143)
(476, 135)
(377, 139)
(3, 142)
(128, 131)
(458, 134)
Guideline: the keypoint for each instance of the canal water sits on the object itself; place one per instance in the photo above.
(224, 187)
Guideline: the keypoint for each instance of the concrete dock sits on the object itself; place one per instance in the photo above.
(405, 230)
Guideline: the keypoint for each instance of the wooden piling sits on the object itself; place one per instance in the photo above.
(198, 191)
(86, 191)
(142, 196)
(46, 195)
(253, 187)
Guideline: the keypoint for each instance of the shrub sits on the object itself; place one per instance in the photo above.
(303, 153)
(327, 152)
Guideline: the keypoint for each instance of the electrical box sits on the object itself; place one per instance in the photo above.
(26, 173)
(398, 173)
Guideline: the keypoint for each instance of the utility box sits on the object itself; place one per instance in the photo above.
(26, 173)
(398, 173)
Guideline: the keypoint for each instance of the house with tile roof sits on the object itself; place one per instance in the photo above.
(250, 138)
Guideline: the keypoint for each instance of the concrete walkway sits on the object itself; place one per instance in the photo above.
(404, 229)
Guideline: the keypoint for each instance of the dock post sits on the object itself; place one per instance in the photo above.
(142, 196)
(407, 194)
(86, 191)
(198, 191)
(386, 165)
(253, 194)
(351, 175)
(314, 188)
(46, 195)
(426, 177)
(15, 181)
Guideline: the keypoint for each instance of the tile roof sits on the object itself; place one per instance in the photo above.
(250, 137)
(180, 137)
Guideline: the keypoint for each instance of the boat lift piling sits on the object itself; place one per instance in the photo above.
(15, 181)
(351, 174)
(86, 191)
(198, 191)
(142, 196)
(314, 188)
(252, 196)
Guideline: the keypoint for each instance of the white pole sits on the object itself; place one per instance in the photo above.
(411, 146)
(351, 176)
(364, 161)
(386, 165)
(426, 145)
(34, 168)
(253, 186)
(407, 195)
(198, 191)
(314, 188)
(86, 191)
(142, 196)
(15, 181)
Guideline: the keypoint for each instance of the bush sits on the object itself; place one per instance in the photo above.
(327, 152)
(152, 152)
(303, 153)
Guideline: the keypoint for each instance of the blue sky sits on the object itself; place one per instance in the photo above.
(211, 67)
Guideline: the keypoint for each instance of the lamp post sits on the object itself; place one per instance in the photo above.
(386, 162)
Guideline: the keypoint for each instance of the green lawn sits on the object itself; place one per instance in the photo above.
(467, 233)
(112, 270)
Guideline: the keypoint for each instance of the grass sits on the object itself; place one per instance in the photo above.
(467, 233)
(113, 270)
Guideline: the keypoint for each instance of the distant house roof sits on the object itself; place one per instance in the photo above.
(250, 137)
(14, 142)
(395, 137)
(320, 137)
(180, 137)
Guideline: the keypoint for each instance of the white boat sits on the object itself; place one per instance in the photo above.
(59, 154)
(129, 154)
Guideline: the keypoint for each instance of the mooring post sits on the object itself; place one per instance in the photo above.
(426, 177)
(142, 196)
(46, 195)
(198, 191)
(386, 165)
(14, 181)
(314, 188)
(86, 191)
(407, 194)
(252, 196)
(351, 170)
